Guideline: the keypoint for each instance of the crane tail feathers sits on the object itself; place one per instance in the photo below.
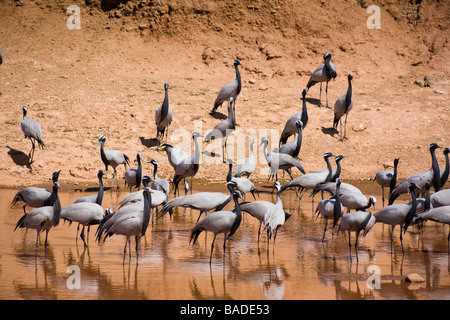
(20, 222)
(127, 160)
(310, 84)
(17, 198)
(194, 235)
(335, 121)
(40, 143)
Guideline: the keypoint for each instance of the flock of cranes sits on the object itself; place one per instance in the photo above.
(348, 207)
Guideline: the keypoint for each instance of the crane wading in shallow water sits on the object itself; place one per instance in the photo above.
(401, 214)
(277, 161)
(133, 177)
(226, 222)
(132, 222)
(36, 197)
(246, 166)
(43, 218)
(188, 166)
(387, 179)
(431, 176)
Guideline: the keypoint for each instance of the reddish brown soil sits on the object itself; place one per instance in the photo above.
(107, 79)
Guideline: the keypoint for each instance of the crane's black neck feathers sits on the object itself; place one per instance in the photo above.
(103, 155)
(238, 78)
(348, 96)
(165, 104)
(237, 221)
(331, 74)
(99, 199)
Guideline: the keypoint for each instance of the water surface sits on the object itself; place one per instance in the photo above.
(168, 267)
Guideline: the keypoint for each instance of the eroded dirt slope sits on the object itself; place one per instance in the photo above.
(107, 79)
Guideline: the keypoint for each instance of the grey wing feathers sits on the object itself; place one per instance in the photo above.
(32, 129)
(228, 90)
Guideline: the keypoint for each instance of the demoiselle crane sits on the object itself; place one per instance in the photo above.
(342, 107)
(112, 158)
(33, 131)
(163, 116)
(43, 218)
(226, 222)
(324, 73)
(231, 89)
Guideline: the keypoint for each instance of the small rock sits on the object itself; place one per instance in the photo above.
(252, 81)
(420, 82)
(430, 80)
(359, 127)
(414, 277)
(272, 55)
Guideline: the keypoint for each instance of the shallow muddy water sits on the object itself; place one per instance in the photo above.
(168, 267)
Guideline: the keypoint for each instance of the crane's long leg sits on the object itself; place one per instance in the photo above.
(125, 249)
(274, 238)
(114, 176)
(290, 175)
(46, 237)
(448, 243)
(137, 245)
(320, 94)
(224, 246)
(129, 246)
(167, 132)
(76, 235)
(88, 229)
(356, 245)
(392, 238)
(326, 93)
(37, 237)
(345, 126)
(401, 239)
(259, 231)
(226, 149)
(201, 211)
(223, 150)
(349, 245)
(82, 236)
(234, 109)
(31, 154)
(212, 248)
(324, 230)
